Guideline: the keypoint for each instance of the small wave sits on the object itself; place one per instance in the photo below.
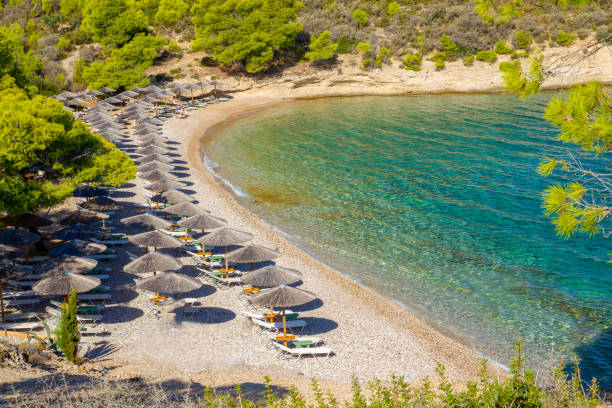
(211, 165)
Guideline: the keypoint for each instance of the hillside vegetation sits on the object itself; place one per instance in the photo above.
(116, 40)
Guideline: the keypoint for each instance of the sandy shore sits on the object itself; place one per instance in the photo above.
(371, 335)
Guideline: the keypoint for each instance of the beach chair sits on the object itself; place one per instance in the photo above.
(81, 307)
(30, 326)
(107, 254)
(25, 293)
(299, 352)
(32, 259)
(110, 241)
(19, 316)
(22, 284)
(93, 296)
(291, 324)
(21, 302)
(80, 317)
(262, 316)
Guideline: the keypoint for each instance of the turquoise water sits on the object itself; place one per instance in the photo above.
(433, 201)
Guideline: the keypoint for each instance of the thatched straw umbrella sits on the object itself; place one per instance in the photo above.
(168, 282)
(155, 239)
(164, 185)
(150, 150)
(156, 175)
(154, 157)
(101, 204)
(271, 276)
(204, 222)
(7, 272)
(154, 165)
(146, 221)
(152, 262)
(18, 237)
(76, 247)
(283, 296)
(224, 237)
(10, 252)
(78, 231)
(27, 220)
(88, 192)
(172, 197)
(184, 209)
(85, 217)
(63, 264)
(65, 283)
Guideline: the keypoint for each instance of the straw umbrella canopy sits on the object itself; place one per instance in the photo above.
(94, 92)
(113, 100)
(151, 150)
(88, 192)
(153, 121)
(10, 252)
(27, 220)
(202, 221)
(283, 296)
(65, 283)
(76, 102)
(154, 165)
(215, 83)
(67, 94)
(18, 237)
(252, 253)
(164, 185)
(77, 247)
(106, 90)
(83, 217)
(155, 239)
(147, 132)
(149, 142)
(169, 282)
(101, 204)
(129, 94)
(63, 264)
(7, 272)
(78, 231)
(224, 237)
(147, 221)
(172, 197)
(155, 175)
(271, 276)
(184, 209)
(152, 262)
(156, 157)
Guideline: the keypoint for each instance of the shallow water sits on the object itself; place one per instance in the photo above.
(433, 201)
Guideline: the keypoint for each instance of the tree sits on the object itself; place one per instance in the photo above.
(321, 48)
(170, 11)
(67, 334)
(248, 33)
(361, 16)
(523, 40)
(393, 8)
(502, 48)
(16, 60)
(412, 61)
(126, 66)
(113, 22)
(45, 153)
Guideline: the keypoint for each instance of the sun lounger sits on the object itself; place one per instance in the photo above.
(109, 241)
(21, 326)
(33, 259)
(22, 284)
(225, 281)
(302, 352)
(20, 302)
(19, 316)
(96, 308)
(25, 293)
(291, 324)
(261, 316)
(103, 255)
(176, 232)
(80, 317)
(94, 296)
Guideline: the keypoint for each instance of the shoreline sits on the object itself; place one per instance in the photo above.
(448, 348)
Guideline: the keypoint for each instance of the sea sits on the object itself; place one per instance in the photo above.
(434, 202)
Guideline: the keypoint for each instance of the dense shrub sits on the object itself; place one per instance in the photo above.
(486, 56)
(412, 62)
(360, 16)
(170, 11)
(564, 38)
(502, 48)
(67, 334)
(522, 39)
(393, 8)
(321, 48)
(469, 60)
(439, 58)
(113, 22)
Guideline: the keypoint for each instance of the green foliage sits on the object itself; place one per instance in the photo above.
(321, 48)
(63, 43)
(450, 48)
(469, 60)
(361, 16)
(69, 7)
(486, 56)
(393, 8)
(499, 11)
(345, 45)
(364, 47)
(173, 46)
(38, 137)
(523, 40)
(520, 83)
(16, 60)
(125, 67)
(502, 48)
(438, 58)
(564, 38)
(412, 62)
(248, 32)
(383, 56)
(113, 22)
(170, 11)
(67, 334)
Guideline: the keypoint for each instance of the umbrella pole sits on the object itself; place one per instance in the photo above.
(2, 303)
(284, 327)
(226, 264)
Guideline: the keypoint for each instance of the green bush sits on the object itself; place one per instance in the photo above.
(321, 48)
(207, 61)
(393, 8)
(438, 58)
(67, 334)
(384, 54)
(63, 43)
(173, 46)
(345, 45)
(502, 48)
(450, 48)
(113, 22)
(487, 56)
(360, 16)
(170, 11)
(523, 40)
(412, 62)
(564, 38)
(469, 61)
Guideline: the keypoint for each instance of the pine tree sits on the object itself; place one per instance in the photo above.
(67, 335)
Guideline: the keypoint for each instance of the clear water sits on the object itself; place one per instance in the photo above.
(433, 201)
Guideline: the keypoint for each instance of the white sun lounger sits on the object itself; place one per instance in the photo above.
(25, 293)
(306, 351)
(110, 241)
(102, 256)
(290, 324)
(20, 302)
(22, 284)
(21, 326)
(19, 316)
(80, 317)
(94, 296)
(260, 316)
(33, 259)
